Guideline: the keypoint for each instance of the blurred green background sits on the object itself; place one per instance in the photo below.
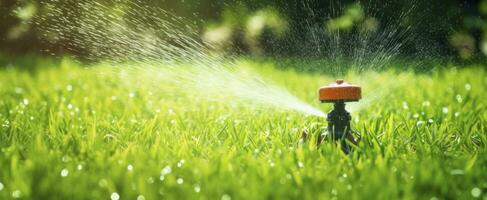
(290, 28)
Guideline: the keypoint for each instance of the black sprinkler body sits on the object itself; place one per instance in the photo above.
(339, 127)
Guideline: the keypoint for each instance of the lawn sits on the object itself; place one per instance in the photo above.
(74, 132)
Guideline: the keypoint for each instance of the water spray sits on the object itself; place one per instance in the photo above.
(339, 128)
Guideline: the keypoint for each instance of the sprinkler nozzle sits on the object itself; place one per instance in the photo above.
(339, 119)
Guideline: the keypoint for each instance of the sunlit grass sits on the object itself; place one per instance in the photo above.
(68, 132)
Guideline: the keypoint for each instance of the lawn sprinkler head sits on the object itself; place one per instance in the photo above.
(339, 119)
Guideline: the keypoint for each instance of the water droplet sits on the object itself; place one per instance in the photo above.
(476, 192)
(79, 167)
(419, 123)
(130, 167)
(459, 98)
(166, 170)
(468, 87)
(1, 186)
(226, 197)
(64, 172)
(140, 197)
(69, 88)
(16, 194)
(405, 105)
(300, 164)
(288, 176)
(25, 101)
(180, 181)
(103, 182)
(430, 120)
(256, 151)
(444, 110)
(161, 177)
(115, 196)
(197, 188)
(180, 163)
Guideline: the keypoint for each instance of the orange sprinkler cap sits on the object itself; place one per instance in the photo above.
(340, 91)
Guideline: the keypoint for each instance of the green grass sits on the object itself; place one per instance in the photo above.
(424, 137)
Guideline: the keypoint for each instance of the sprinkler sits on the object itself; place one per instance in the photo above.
(339, 119)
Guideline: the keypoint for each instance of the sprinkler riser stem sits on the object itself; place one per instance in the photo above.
(339, 124)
